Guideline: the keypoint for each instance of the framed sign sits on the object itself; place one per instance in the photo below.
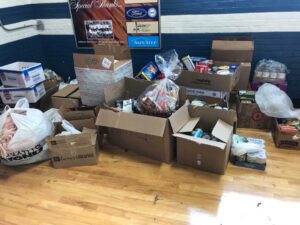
(143, 23)
(100, 22)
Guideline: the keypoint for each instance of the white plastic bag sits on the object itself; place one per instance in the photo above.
(53, 115)
(69, 129)
(32, 126)
(275, 103)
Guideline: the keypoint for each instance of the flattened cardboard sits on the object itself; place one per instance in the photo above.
(213, 82)
(250, 116)
(285, 140)
(67, 97)
(232, 50)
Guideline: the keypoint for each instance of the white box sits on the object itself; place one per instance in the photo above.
(12, 94)
(22, 74)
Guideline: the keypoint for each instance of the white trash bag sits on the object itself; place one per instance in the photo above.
(275, 103)
(22, 128)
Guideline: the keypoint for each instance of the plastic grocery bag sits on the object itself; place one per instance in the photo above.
(275, 103)
(161, 99)
(69, 129)
(30, 127)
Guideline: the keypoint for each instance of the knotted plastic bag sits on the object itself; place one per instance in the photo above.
(275, 103)
(161, 99)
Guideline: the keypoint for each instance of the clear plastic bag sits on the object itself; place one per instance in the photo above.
(169, 64)
(275, 103)
(161, 99)
(272, 66)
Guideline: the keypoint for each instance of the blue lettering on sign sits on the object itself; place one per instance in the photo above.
(142, 12)
(143, 41)
(136, 13)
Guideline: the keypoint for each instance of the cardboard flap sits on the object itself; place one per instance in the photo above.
(232, 45)
(132, 122)
(114, 91)
(76, 94)
(201, 141)
(66, 91)
(119, 52)
(190, 125)
(180, 118)
(90, 61)
(222, 131)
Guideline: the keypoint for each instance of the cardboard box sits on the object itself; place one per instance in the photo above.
(10, 95)
(208, 96)
(147, 135)
(95, 72)
(250, 116)
(79, 118)
(290, 140)
(200, 153)
(22, 74)
(205, 81)
(235, 50)
(69, 97)
(73, 150)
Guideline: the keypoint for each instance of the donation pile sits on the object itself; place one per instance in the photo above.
(248, 152)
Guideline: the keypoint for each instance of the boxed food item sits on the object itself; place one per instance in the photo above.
(73, 150)
(249, 114)
(69, 97)
(147, 135)
(10, 95)
(22, 74)
(286, 133)
(235, 50)
(208, 147)
(95, 71)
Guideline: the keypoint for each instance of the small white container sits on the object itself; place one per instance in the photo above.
(22, 74)
(11, 95)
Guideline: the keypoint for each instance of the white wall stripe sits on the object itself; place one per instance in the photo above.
(224, 23)
(12, 3)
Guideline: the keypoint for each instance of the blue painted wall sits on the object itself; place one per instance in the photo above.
(55, 51)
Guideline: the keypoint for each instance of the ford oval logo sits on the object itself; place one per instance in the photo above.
(136, 13)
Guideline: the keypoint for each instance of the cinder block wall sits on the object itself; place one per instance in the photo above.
(187, 26)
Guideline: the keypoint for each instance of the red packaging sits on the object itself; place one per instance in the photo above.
(202, 68)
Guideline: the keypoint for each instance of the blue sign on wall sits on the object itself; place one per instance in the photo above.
(144, 41)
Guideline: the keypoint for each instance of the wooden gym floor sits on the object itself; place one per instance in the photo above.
(127, 189)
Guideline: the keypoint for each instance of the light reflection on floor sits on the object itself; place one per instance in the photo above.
(243, 209)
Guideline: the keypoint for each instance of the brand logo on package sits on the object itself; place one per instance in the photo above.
(89, 4)
(202, 81)
(25, 154)
(143, 12)
(76, 157)
(143, 41)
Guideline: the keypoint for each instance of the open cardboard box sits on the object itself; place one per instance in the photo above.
(79, 118)
(147, 135)
(74, 150)
(235, 50)
(69, 97)
(287, 140)
(95, 71)
(201, 153)
(207, 81)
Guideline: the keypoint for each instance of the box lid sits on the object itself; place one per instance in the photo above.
(232, 50)
(222, 131)
(119, 52)
(181, 121)
(132, 122)
(66, 91)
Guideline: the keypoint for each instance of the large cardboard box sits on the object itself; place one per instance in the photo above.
(68, 97)
(250, 116)
(287, 140)
(205, 81)
(147, 135)
(74, 150)
(95, 71)
(235, 50)
(200, 153)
